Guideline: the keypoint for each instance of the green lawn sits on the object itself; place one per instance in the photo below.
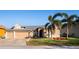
(46, 41)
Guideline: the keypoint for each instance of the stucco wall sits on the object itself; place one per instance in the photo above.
(27, 34)
(74, 30)
(56, 33)
(10, 35)
(19, 34)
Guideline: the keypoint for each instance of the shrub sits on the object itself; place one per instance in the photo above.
(2, 37)
(59, 38)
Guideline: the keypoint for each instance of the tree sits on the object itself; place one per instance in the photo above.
(48, 25)
(53, 23)
(77, 20)
(66, 21)
(69, 22)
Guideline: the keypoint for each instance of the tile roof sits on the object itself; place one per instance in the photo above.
(25, 28)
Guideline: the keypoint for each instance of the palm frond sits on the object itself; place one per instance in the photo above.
(49, 27)
(56, 15)
(64, 20)
(72, 17)
(64, 25)
(71, 20)
(57, 22)
(50, 18)
(65, 15)
(46, 25)
(77, 20)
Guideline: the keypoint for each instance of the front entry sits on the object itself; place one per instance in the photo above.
(41, 33)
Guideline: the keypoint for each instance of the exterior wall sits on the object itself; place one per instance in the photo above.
(2, 32)
(28, 34)
(56, 33)
(18, 34)
(10, 35)
(45, 33)
(31, 34)
(64, 30)
(74, 30)
(23, 35)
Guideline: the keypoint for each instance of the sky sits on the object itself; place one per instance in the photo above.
(9, 18)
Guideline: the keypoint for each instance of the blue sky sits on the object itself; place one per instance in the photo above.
(9, 18)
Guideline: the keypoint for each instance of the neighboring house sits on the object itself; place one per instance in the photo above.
(73, 32)
(2, 31)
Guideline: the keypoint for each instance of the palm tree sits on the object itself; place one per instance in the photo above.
(62, 15)
(57, 22)
(48, 25)
(77, 20)
(52, 24)
(69, 22)
(47, 28)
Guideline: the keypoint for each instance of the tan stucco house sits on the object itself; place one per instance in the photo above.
(24, 32)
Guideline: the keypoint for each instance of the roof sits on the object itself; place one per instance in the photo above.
(25, 28)
(31, 27)
(2, 27)
(28, 27)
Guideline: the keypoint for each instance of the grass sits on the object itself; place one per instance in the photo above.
(47, 42)
(73, 42)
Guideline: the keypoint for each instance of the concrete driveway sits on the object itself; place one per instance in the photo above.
(6, 43)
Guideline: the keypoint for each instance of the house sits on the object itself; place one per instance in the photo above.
(20, 32)
(24, 32)
(73, 32)
(2, 30)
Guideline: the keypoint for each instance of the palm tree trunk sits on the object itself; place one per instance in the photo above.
(48, 33)
(67, 31)
(51, 33)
